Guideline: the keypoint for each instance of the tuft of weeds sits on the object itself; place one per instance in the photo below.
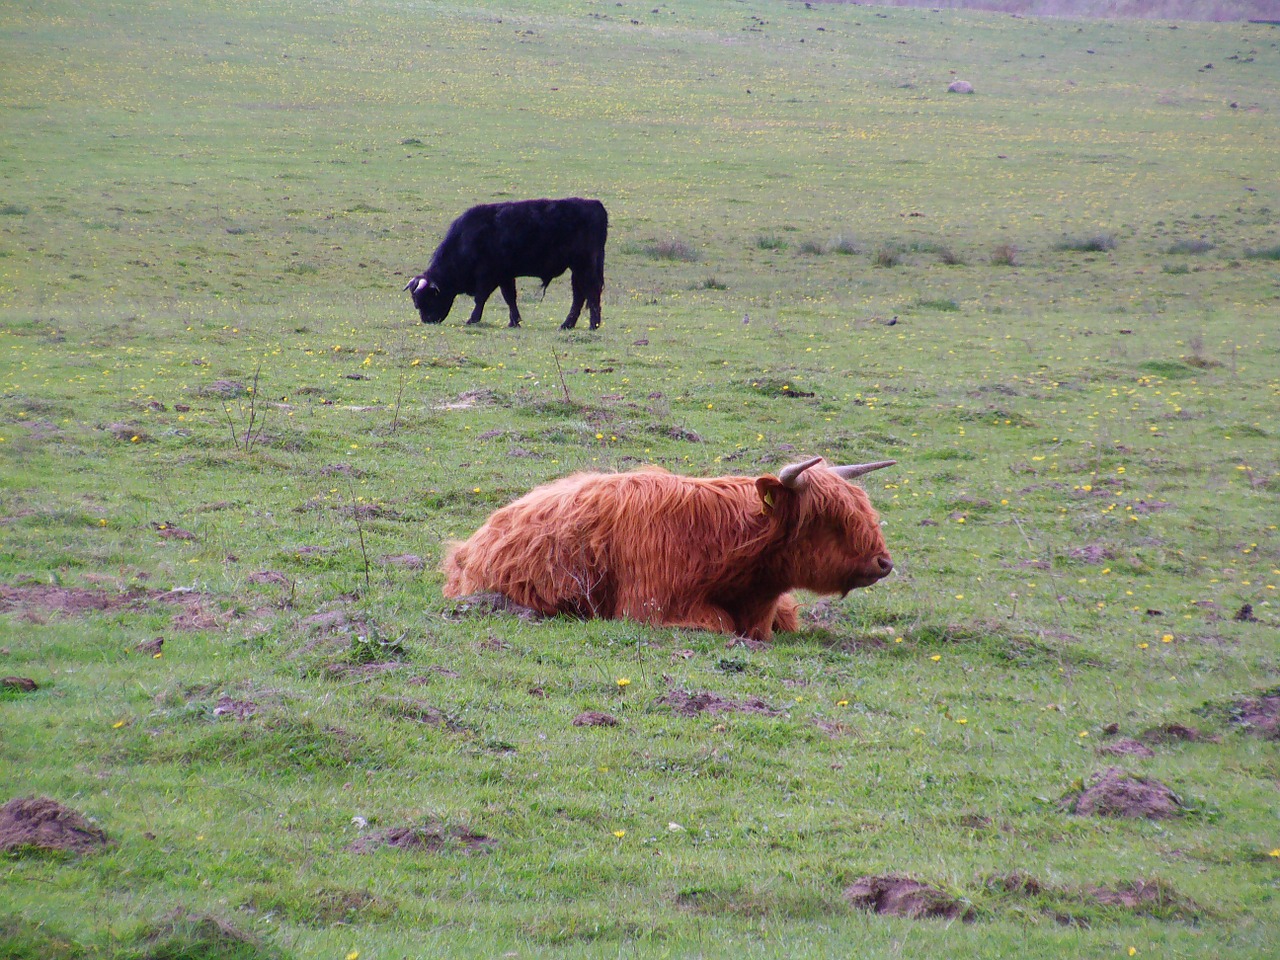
(1263, 253)
(671, 249)
(1189, 247)
(941, 304)
(1093, 243)
(889, 255)
(1004, 255)
(770, 241)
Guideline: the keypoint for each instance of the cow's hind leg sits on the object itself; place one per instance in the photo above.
(508, 288)
(594, 289)
(579, 298)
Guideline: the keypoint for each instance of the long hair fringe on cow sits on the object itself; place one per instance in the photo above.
(718, 553)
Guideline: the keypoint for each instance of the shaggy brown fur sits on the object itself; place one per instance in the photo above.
(715, 554)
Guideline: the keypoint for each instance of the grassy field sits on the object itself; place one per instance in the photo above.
(1053, 301)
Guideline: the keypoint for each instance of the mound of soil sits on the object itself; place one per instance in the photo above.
(595, 718)
(905, 897)
(43, 824)
(1126, 748)
(692, 704)
(1116, 793)
(1261, 715)
(429, 838)
(25, 684)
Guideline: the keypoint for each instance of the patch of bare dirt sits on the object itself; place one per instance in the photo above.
(35, 601)
(427, 838)
(170, 531)
(1260, 715)
(409, 561)
(406, 708)
(1117, 793)
(1126, 747)
(905, 897)
(1176, 733)
(274, 577)
(224, 388)
(595, 718)
(38, 823)
(1153, 898)
(1091, 553)
(487, 604)
(688, 704)
(1017, 883)
(1137, 895)
(227, 706)
(835, 729)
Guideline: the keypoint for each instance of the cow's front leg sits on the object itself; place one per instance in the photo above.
(482, 294)
(508, 289)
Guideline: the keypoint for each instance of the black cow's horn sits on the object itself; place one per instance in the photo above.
(852, 470)
(409, 285)
(790, 474)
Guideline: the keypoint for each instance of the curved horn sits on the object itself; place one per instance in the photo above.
(790, 474)
(410, 284)
(858, 469)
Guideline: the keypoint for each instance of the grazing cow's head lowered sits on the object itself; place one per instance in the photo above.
(433, 305)
(718, 553)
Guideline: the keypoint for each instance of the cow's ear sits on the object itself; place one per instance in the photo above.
(771, 491)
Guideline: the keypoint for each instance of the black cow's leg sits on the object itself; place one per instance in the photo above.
(508, 289)
(593, 305)
(481, 296)
(579, 298)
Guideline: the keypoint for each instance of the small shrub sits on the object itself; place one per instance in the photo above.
(1175, 268)
(944, 305)
(1189, 247)
(713, 283)
(812, 247)
(1004, 255)
(14, 210)
(1263, 253)
(950, 257)
(1097, 243)
(770, 242)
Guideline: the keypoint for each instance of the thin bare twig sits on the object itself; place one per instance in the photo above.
(560, 373)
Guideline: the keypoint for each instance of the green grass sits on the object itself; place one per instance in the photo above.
(198, 195)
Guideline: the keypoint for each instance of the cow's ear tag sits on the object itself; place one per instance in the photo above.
(767, 506)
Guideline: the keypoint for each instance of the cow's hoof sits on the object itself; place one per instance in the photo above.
(568, 326)
(513, 324)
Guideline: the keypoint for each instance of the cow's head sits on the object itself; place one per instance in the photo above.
(834, 531)
(432, 303)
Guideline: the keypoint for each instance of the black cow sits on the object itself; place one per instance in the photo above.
(490, 245)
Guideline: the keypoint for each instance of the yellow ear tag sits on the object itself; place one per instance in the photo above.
(768, 502)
